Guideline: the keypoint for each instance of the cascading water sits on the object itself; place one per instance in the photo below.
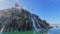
(35, 28)
(34, 25)
(2, 29)
(37, 22)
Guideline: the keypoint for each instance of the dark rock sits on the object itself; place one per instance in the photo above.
(20, 19)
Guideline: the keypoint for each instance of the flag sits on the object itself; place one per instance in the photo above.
(16, 4)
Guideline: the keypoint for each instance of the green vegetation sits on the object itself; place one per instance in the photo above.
(22, 32)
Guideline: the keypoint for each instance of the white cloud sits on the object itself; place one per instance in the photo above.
(1, 0)
(5, 4)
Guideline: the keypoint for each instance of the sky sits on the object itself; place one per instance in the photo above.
(45, 9)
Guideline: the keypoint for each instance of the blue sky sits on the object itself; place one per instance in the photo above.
(45, 9)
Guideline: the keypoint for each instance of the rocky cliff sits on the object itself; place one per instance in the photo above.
(20, 19)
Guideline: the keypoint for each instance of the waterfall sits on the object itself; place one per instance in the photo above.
(34, 24)
(36, 30)
(2, 29)
(37, 21)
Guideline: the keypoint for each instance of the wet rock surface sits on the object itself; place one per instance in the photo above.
(20, 19)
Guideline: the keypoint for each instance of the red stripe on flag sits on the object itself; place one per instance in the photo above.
(16, 4)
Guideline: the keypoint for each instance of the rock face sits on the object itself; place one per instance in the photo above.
(20, 19)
